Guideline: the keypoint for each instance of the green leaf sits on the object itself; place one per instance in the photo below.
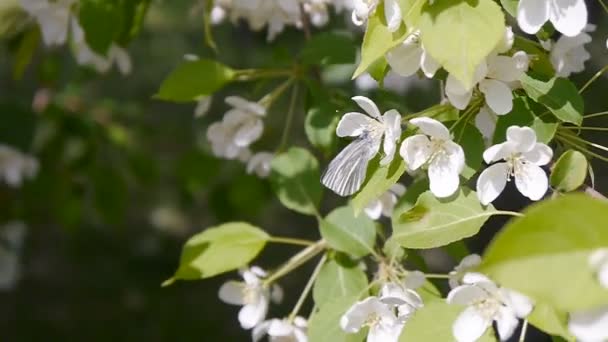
(324, 324)
(102, 22)
(551, 245)
(379, 180)
(510, 6)
(219, 249)
(338, 281)
(193, 79)
(25, 52)
(295, 179)
(441, 112)
(526, 113)
(378, 40)
(547, 319)
(329, 48)
(460, 34)
(134, 14)
(320, 126)
(349, 234)
(473, 145)
(559, 95)
(570, 171)
(433, 322)
(434, 222)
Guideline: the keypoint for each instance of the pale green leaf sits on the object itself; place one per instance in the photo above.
(193, 79)
(570, 171)
(526, 113)
(559, 95)
(510, 6)
(219, 249)
(337, 281)
(320, 127)
(460, 34)
(102, 22)
(295, 179)
(379, 180)
(434, 222)
(349, 234)
(545, 254)
(324, 324)
(547, 319)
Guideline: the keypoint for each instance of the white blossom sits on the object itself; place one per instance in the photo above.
(486, 303)
(260, 164)
(406, 58)
(589, 326)
(281, 330)
(385, 204)
(486, 121)
(466, 264)
(252, 295)
(567, 16)
(599, 263)
(380, 318)
(12, 235)
(403, 297)
(346, 172)
(15, 166)
(568, 55)
(523, 157)
(86, 56)
(53, 17)
(203, 105)
(364, 8)
(434, 148)
(241, 126)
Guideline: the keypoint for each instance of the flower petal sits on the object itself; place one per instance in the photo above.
(250, 107)
(259, 331)
(532, 181)
(392, 133)
(521, 305)
(522, 138)
(388, 201)
(568, 16)
(470, 325)
(392, 13)
(505, 68)
(232, 292)
(589, 325)
(431, 127)
(485, 121)
(202, 107)
(353, 124)
(506, 322)
(540, 155)
(405, 59)
(498, 95)
(444, 170)
(251, 315)
(374, 209)
(416, 151)
(466, 294)
(368, 106)
(532, 15)
(492, 182)
(248, 133)
(384, 332)
(355, 317)
(428, 64)
(280, 328)
(459, 97)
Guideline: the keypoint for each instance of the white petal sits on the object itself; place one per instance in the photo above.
(431, 127)
(368, 106)
(202, 107)
(522, 138)
(416, 150)
(405, 59)
(568, 16)
(247, 106)
(280, 327)
(498, 95)
(355, 317)
(398, 189)
(384, 333)
(466, 295)
(506, 43)
(506, 322)
(122, 59)
(540, 155)
(532, 181)
(232, 292)
(485, 121)
(498, 152)
(353, 124)
(374, 209)
(414, 280)
(520, 304)
(276, 294)
(459, 97)
(532, 15)
(259, 331)
(492, 182)
(249, 133)
(392, 12)
(392, 133)
(505, 68)
(388, 201)
(589, 326)
(429, 65)
(469, 326)
(253, 314)
(444, 170)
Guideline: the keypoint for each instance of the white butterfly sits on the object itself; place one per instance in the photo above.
(346, 172)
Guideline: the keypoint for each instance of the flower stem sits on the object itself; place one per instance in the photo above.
(588, 116)
(584, 128)
(307, 289)
(436, 276)
(593, 79)
(296, 261)
(524, 329)
(269, 99)
(577, 145)
(603, 5)
(291, 241)
(289, 119)
(583, 141)
(255, 74)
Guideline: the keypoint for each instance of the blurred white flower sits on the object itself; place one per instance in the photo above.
(260, 164)
(385, 204)
(203, 105)
(12, 236)
(241, 126)
(485, 303)
(405, 59)
(435, 149)
(281, 330)
(568, 55)
(346, 172)
(53, 17)
(466, 264)
(400, 296)
(383, 324)
(252, 295)
(599, 263)
(362, 9)
(589, 326)
(486, 121)
(15, 166)
(567, 16)
(102, 64)
(523, 157)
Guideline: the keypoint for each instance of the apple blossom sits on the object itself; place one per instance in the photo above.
(346, 172)
(385, 204)
(523, 157)
(466, 264)
(435, 149)
(406, 58)
(380, 318)
(12, 235)
(567, 16)
(15, 166)
(281, 330)
(53, 17)
(259, 164)
(599, 262)
(568, 55)
(589, 326)
(364, 8)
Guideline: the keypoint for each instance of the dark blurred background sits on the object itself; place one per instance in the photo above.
(125, 180)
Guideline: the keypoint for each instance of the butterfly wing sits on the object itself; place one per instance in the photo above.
(346, 172)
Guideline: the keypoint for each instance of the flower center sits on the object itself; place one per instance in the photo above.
(516, 164)
(372, 320)
(488, 307)
(437, 150)
(251, 294)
